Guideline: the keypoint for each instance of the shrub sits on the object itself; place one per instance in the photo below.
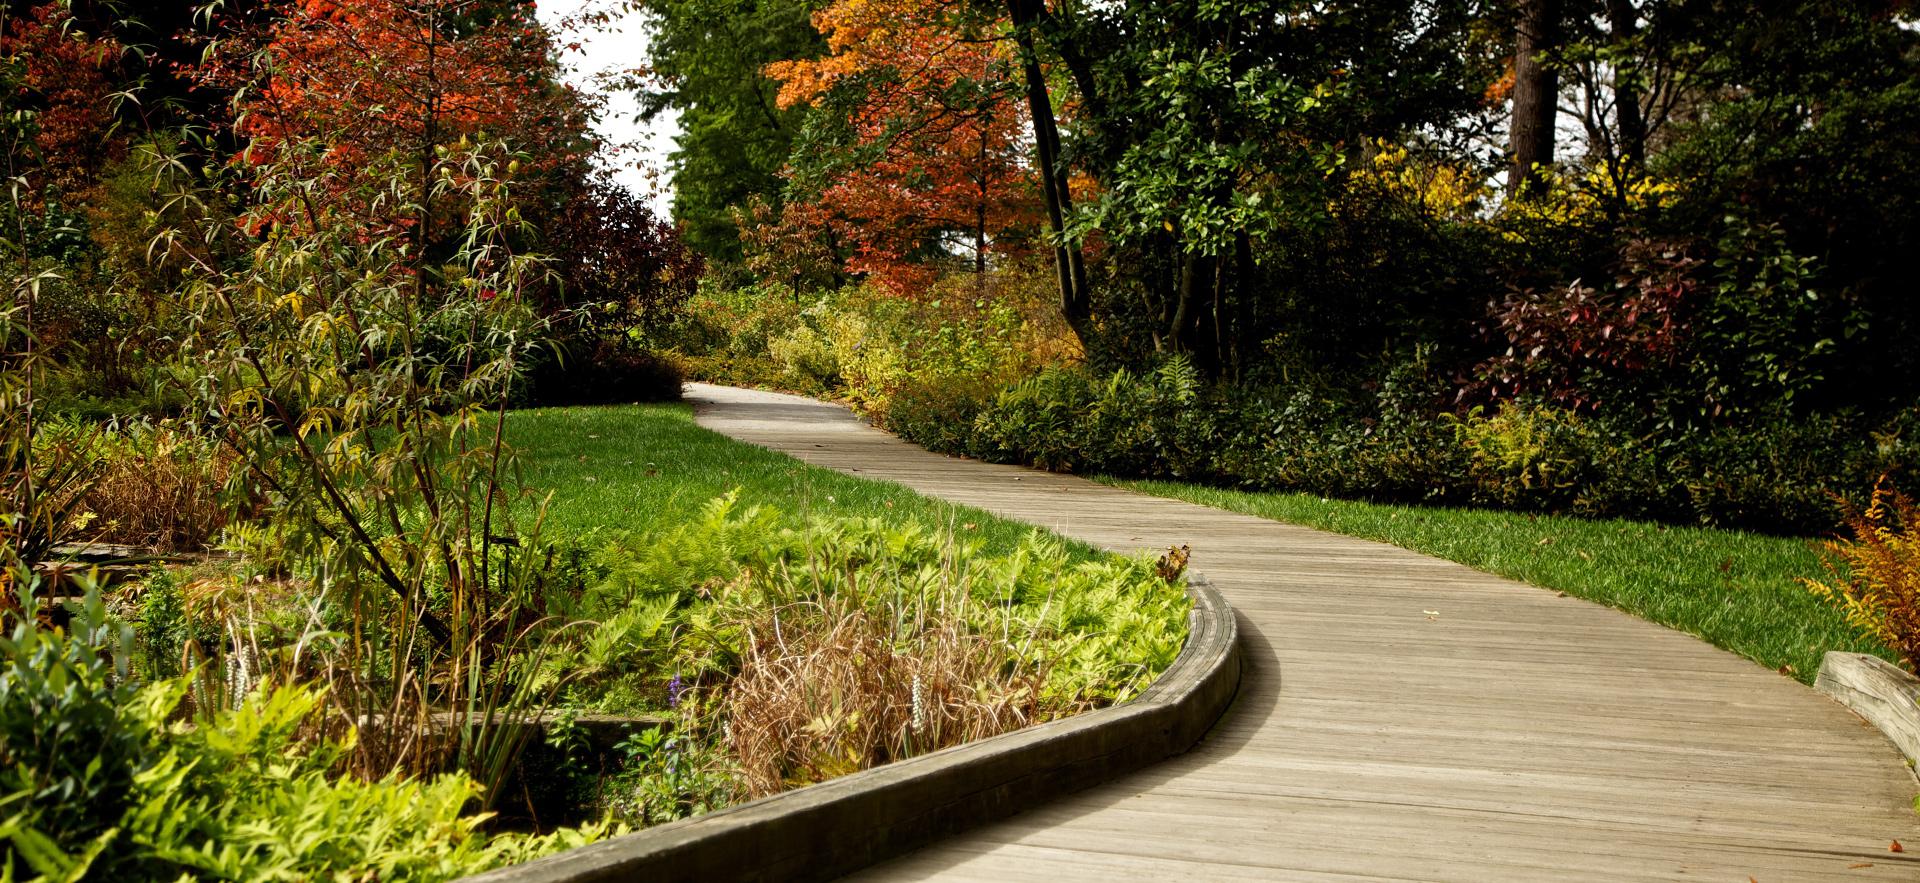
(589, 370)
(1525, 454)
(98, 783)
(1776, 475)
(72, 744)
(160, 487)
(805, 358)
(937, 414)
(1875, 577)
(620, 268)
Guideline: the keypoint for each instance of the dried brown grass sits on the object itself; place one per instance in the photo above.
(828, 687)
(160, 489)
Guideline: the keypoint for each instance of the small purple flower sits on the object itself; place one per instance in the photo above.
(674, 689)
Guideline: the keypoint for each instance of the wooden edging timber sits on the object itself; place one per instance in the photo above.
(839, 826)
(1877, 690)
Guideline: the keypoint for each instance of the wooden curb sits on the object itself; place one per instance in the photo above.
(833, 828)
(1883, 693)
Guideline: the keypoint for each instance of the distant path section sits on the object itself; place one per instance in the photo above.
(1407, 718)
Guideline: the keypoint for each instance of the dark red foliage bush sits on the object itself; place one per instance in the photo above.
(621, 268)
(1569, 344)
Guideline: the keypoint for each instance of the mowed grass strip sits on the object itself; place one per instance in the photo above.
(633, 468)
(1739, 591)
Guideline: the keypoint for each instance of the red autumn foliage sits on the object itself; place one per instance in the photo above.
(620, 266)
(938, 128)
(369, 81)
(1559, 339)
(66, 80)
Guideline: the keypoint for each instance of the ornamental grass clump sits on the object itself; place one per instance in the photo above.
(159, 487)
(827, 688)
(876, 642)
(1875, 577)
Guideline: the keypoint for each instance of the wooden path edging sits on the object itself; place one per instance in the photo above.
(1877, 690)
(835, 827)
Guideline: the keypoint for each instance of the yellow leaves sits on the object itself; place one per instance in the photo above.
(1875, 579)
(1445, 190)
(1565, 201)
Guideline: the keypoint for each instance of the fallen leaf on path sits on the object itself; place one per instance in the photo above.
(1896, 847)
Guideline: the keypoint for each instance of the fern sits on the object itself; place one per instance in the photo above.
(1875, 578)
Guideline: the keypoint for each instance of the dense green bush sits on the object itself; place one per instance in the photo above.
(1779, 476)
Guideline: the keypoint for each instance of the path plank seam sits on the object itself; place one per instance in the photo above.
(1517, 735)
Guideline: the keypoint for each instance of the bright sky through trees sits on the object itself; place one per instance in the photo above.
(643, 167)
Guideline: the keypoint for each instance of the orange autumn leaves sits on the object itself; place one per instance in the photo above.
(377, 74)
(936, 173)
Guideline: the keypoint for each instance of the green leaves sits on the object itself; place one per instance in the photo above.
(95, 785)
(706, 61)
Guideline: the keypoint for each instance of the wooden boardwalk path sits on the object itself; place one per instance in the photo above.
(1515, 735)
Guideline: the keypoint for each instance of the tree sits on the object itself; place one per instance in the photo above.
(352, 85)
(1536, 93)
(916, 155)
(619, 267)
(1069, 259)
(1214, 131)
(62, 79)
(706, 60)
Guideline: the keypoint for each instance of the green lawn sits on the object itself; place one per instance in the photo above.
(638, 467)
(1736, 590)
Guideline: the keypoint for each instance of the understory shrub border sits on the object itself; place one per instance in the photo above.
(1004, 388)
(826, 830)
(1782, 478)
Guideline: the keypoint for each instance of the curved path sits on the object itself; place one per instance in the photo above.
(1515, 735)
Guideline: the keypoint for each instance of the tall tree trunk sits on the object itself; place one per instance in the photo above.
(1536, 90)
(1070, 264)
(1190, 326)
(1624, 21)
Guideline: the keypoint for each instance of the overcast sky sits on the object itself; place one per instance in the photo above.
(601, 50)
